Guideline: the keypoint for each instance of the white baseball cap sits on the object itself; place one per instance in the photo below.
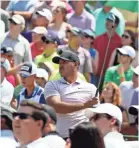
(46, 13)
(106, 108)
(5, 64)
(40, 30)
(18, 19)
(41, 73)
(127, 50)
(136, 70)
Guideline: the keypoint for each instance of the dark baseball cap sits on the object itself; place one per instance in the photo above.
(50, 38)
(50, 111)
(6, 50)
(68, 56)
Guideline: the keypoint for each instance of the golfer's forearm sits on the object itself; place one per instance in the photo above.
(65, 108)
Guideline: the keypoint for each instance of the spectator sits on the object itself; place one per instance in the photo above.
(37, 47)
(104, 39)
(6, 94)
(89, 135)
(31, 90)
(43, 18)
(87, 43)
(4, 17)
(130, 91)
(69, 95)
(102, 13)
(24, 8)
(128, 38)
(123, 71)
(58, 27)
(2, 31)
(7, 53)
(7, 137)
(108, 118)
(28, 124)
(80, 18)
(16, 41)
(74, 45)
(42, 77)
(111, 94)
(50, 129)
(50, 45)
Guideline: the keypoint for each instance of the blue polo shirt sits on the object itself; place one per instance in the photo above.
(37, 95)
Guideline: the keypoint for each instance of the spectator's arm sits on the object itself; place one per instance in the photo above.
(125, 120)
(27, 56)
(14, 103)
(95, 63)
(87, 67)
(112, 58)
(26, 14)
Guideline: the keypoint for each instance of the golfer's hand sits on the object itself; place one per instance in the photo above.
(90, 103)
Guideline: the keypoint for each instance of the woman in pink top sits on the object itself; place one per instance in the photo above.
(37, 46)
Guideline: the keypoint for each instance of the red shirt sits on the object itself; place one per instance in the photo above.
(11, 79)
(36, 50)
(100, 44)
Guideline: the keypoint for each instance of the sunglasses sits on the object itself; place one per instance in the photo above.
(22, 116)
(125, 36)
(87, 36)
(98, 116)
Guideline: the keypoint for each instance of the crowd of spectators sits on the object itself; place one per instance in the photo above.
(51, 60)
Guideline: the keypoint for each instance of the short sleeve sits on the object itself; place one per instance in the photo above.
(51, 89)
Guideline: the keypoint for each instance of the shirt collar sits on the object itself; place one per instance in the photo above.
(33, 93)
(78, 50)
(82, 14)
(18, 38)
(78, 80)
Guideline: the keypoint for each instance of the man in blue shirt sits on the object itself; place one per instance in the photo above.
(31, 90)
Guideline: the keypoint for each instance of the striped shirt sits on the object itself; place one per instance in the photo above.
(37, 95)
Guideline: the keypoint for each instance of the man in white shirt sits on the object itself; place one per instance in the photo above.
(69, 96)
(108, 118)
(28, 124)
(128, 89)
(6, 88)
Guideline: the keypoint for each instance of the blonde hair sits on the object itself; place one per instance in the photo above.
(116, 98)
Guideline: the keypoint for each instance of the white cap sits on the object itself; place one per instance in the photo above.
(40, 30)
(46, 13)
(127, 50)
(5, 64)
(106, 108)
(18, 19)
(136, 70)
(41, 73)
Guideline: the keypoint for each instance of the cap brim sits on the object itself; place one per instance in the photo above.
(40, 13)
(15, 20)
(122, 51)
(56, 59)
